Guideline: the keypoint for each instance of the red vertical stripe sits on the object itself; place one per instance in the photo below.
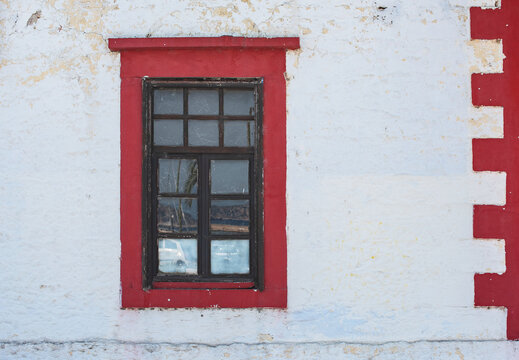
(500, 155)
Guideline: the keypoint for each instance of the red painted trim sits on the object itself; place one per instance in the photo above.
(489, 89)
(489, 155)
(225, 61)
(499, 222)
(490, 221)
(120, 44)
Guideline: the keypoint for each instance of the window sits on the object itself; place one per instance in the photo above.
(185, 242)
(203, 182)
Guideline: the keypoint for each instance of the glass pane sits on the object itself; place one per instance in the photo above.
(178, 176)
(177, 215)
(203, 132)
(203, 102)
(178, 256)
(168, 132)
(229, 176)
(229, 216)
(238, 102)
(230, 256)
(238, 133)
(168, 101)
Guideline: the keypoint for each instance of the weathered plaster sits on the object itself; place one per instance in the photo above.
(454, 350)
(379, 192)
(488, 56)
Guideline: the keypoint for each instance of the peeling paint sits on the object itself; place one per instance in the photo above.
(34, 18)
(249, 3)
(487, 56)
(250, 25)
(265, 337)
(223, 11)
(351, 349)
(62, 66)
(85, 15)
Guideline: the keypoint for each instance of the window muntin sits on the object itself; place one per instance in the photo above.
(202, 185)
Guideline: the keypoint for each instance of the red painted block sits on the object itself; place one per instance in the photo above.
(488, 155)
(488, 90)
(491, 290)
(485, 23)
(489, 222)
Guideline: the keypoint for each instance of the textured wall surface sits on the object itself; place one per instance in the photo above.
(381, 257)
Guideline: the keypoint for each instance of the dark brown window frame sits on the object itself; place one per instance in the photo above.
(204, 154)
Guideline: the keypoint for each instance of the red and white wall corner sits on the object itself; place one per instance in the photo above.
(502, 155)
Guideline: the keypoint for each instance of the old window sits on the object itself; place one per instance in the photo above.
(203, 181)
(203, 207)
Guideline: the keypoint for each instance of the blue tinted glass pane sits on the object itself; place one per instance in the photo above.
(238, 133)
(178, 256)
(238, 102)
(203, 102)
(230, 257)
(229, 176)
(168, 101)
(203, 133)
(168, 132)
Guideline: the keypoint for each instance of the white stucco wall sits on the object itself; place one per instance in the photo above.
(380, 185)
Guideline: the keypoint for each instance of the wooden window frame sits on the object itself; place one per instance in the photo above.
(203, 154)
(224, 57)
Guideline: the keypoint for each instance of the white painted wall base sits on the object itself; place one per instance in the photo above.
(115, 350)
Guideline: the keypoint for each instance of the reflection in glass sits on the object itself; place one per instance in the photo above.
(203, 102)
(168, 132)
(168, 101)
(203, 132)
(238, 102)
(178, 256)
(229, 216)
(229, 176)
(177, 215)
(179, 176)
(238, 133)
(230, 256)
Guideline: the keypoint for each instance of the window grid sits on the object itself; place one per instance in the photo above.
(203, 155)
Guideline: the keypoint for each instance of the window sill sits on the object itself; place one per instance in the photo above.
(205, 298)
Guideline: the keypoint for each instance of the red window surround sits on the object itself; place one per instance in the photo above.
(499, 222)
(204, 57)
